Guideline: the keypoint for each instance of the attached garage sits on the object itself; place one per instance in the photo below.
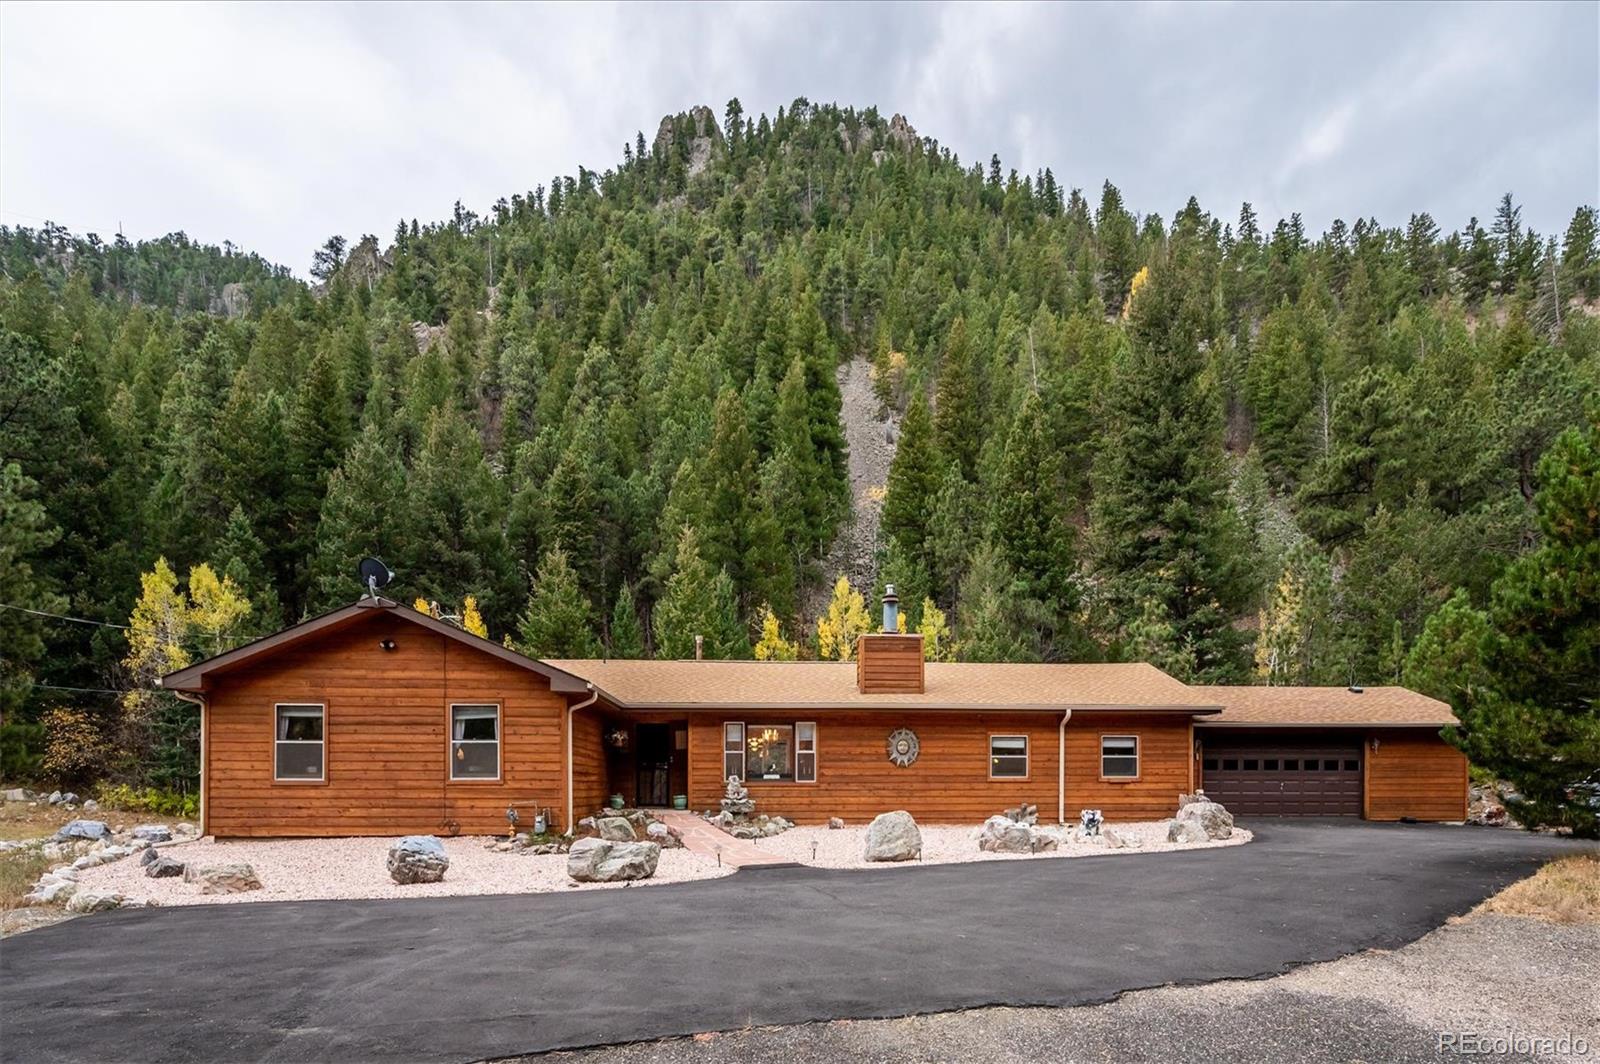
(1375, 753)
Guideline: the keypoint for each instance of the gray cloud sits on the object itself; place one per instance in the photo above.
(277, 126)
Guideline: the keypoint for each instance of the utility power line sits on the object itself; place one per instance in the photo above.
(62, 616)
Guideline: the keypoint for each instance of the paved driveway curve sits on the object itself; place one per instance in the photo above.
(453, 979)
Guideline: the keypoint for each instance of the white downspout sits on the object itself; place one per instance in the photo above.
(1061, 769)
(572, 711)
(199, 700)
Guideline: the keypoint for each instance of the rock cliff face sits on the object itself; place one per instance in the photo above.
(704, 136)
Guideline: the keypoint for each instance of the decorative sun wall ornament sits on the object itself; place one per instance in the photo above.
(903, 746)
(618, 738)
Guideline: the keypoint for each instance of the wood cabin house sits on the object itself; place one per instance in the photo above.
(375, 719)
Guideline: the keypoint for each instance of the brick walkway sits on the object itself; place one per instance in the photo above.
(701, 837)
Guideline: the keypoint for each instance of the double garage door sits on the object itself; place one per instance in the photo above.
(1276, 775)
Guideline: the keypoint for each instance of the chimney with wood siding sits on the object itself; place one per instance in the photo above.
(888, 662)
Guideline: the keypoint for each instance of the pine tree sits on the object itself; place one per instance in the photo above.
(1163, 523)
(913, 481)
(957, 420)
(556, 621)
(935, 632)
(1580, 254)
(241, 557)
(1028, 516)
(1531, 717)
(365, 512)
(459, 517)
(25, 534)
(993, 619)
(698, 601)
(626, 635)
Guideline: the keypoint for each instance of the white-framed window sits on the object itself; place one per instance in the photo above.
(475, 742)
(805, 751)
(1119, 757)
(299, 750)
(1008, 757)
(769, 752)
(733, 749)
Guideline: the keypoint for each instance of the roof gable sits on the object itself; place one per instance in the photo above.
(195, 677)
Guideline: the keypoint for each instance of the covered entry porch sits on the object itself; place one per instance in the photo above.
(646, 759)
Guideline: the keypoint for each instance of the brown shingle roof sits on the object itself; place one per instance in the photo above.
(1327, 706)
(827, 684)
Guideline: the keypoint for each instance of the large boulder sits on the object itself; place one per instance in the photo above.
(663, 836)
(418, 859)
(1186, 831)
(232, 877)
(1001, 834)
(616, 829)
(599, 861)
(1214, 820)
(84, 829)
(893, 837)
(52, 888)
(86, 901)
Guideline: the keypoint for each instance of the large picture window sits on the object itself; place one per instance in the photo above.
(1119, 757)
(299, 748)
(769, 751)
(1008, 757)
(475, 742)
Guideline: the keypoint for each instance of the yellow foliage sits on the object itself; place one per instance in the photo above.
(74, 749)
(845, 620)
(216, 607)
(935, 632)
(165, 625)
(1140, 279)
(1278, 642)
(772, 646)
(422, 605)
(472, 620)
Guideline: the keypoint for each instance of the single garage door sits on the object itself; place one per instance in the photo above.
(1283, 776)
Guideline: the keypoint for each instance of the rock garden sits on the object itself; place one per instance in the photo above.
(613, 848)
(895, 838)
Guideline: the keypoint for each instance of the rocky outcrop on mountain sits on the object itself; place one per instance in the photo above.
(366, 264)
(700, 123)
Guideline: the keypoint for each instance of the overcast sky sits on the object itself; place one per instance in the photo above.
(277, 126)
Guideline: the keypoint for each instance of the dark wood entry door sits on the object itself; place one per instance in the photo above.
(1278, 776)
(654, 782)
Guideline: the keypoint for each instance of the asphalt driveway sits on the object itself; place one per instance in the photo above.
(454, 979)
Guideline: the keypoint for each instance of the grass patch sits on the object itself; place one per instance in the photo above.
(19, 870)
(1565, 891)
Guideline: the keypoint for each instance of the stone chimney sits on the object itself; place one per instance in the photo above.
(888, 662)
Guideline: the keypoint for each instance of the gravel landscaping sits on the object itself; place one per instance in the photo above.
(947, 844)
(315, 869)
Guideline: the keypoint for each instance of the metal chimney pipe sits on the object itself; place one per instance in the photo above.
(891, 610)
(699, 648)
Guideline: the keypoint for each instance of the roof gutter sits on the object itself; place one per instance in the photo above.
(572, 712)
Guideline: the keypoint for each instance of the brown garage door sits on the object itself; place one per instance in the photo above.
(1276, 776)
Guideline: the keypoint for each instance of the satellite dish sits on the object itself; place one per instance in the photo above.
(374, 574)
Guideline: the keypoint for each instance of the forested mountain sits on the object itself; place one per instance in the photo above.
(607, 410)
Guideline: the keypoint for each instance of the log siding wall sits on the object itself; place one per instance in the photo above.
(949, 782)
(1414, 773)
(386, 739)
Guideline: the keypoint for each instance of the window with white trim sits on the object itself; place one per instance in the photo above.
(1008, 757)
(298, 745)
(733, 749)
(805, 752)
(474, 742)
(1119, 757)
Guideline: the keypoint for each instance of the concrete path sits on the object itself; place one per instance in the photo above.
(701, 837)
(457, 979)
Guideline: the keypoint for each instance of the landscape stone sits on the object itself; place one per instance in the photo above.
(893, 837)
(149, 857)
(84, 829)
(1186, 831)
(418, 859)
(595, 860)
(1214, 820)
(616, 829)
(835, 823)
(233, 877)
(91, 806)
(1001, 834)
(163, 868)
(153, 832)
(19, 794)
(85, 901)
(55, 798)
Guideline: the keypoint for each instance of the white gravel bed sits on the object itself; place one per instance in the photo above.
(951, 844)
(313, 869)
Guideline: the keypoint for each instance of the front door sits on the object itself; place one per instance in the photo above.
(654, 785)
